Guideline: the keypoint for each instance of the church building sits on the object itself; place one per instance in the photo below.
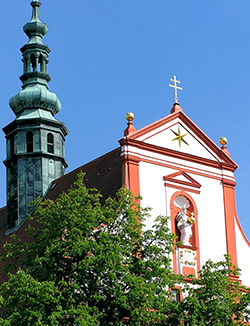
(176, 168)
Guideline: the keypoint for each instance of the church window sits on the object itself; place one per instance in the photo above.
(176, 295)
(50, 143)
(29, 142)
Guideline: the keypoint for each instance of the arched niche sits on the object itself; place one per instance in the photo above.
(179, 200)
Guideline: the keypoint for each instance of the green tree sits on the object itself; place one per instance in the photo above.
(216, 297)
(90, 264)
(87, 264)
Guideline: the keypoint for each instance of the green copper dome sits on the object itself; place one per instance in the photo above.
(35, 78)
(35, 97)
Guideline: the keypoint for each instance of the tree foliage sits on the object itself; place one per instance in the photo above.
(89, 263)
(216, 297)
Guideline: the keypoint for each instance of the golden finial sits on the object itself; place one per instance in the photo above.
(223, 141)
(175, 88)
(130, 116)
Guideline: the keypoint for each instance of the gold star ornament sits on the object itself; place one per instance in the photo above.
(179, 137)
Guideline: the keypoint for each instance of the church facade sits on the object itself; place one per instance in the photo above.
(176, 168)
(182, 173)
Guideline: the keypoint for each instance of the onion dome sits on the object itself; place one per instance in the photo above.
(35, 97)
(35, 78)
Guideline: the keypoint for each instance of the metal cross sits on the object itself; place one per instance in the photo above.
(175, 88)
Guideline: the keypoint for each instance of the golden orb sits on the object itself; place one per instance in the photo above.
(130, 116)
(223, 140)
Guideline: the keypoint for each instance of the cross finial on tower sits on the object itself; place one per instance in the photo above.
(175, 88)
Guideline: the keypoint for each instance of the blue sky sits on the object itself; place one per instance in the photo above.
(112, 56)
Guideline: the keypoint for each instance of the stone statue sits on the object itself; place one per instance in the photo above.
(184, 224)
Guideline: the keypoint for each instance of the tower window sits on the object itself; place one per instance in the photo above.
(50, 143)
(12, 146)
(42, 63)
(33, 62)
(29, 142)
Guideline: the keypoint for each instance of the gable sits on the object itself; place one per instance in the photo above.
(178, 133)
(182, 179)
(179, 137)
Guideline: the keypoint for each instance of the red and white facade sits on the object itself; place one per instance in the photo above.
(189, 171)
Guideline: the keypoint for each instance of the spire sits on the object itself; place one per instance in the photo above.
(35, 29)
(35, 78)
(35, 140)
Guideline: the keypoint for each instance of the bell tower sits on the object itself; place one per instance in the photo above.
(35, 139)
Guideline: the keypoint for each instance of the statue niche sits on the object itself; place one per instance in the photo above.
(185, 220)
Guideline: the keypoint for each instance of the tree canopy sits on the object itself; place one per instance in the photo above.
(216, 297)
(88, 263)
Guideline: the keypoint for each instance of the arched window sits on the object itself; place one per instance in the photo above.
(50, 143)
(33, 62)
(29, 142)
(41, 63)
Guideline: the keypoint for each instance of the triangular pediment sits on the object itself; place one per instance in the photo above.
(181, 178)
(178, 133)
